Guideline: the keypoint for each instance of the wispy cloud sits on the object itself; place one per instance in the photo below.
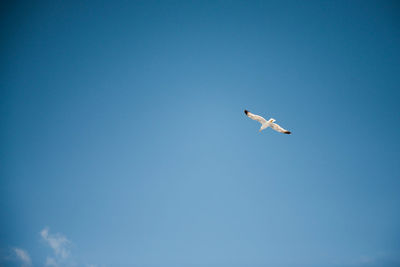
(381, 259)
(51, 262)
(23, 256)
(61, 249)
(58, 242)
(60, 255)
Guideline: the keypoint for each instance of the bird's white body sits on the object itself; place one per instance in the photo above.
(265, 124)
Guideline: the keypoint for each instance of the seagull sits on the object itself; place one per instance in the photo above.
(265, 123)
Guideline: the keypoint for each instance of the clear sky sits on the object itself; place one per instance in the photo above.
(124, 142)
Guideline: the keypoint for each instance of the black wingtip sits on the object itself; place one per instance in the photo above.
(287, 132)
(245, 112)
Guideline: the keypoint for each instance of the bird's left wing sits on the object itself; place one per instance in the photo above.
(278, 128)
(255, 117)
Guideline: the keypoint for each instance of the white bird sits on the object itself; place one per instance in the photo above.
(265, 123)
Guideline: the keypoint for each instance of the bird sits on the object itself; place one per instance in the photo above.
(265, 124)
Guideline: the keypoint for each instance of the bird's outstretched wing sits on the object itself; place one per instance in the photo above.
(255, 117)
(278, 128)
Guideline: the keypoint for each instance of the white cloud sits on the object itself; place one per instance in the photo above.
(60, 255)
(383, 258)
(23, 256)
(59, 243)
(51, 262)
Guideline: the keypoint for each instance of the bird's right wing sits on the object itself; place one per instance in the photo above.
(278, 128)
(255, 117)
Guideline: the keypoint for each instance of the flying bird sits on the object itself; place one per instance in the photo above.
(265, 123)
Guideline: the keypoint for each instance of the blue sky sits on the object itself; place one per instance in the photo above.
(124, 141)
